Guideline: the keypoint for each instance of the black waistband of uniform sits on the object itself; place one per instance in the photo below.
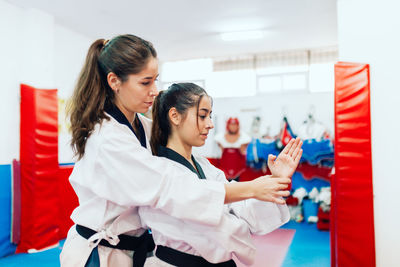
(181, 259)
(139, 244)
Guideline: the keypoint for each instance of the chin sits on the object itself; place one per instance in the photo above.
(143, 110)
(198, 144)
(201, 143)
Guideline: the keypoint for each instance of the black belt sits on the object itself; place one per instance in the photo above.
(182, 259)
(139, 244)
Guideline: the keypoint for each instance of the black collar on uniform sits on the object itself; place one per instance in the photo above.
(172, 155)
(117, 114)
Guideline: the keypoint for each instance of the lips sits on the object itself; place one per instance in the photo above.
(149, 103)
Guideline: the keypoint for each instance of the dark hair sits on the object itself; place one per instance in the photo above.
(182, 96)
(122, 55)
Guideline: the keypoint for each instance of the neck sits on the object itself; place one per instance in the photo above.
(181, 148)
(130, 116)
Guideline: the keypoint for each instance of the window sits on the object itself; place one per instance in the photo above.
(269, 84)
(294, 81)
(282, 82)
(322, 78)
(231, 83)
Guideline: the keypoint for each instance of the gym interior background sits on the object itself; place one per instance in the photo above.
(324, 70)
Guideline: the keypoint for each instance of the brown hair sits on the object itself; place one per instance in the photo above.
(182, 96)
(122, 55)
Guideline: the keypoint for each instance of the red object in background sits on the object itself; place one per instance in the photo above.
(312, 171)
(247, 173)
(68, 200)
(214, 161)
(233, 121)
(352, 229)
(285, 135)
(251, 174)
(292, 201)
(323, 220)
(232, 162)
(39, 169)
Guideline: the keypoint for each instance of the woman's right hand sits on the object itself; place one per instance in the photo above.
(270, 189)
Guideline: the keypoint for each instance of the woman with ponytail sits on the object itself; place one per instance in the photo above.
(181, 120)
(116, 173)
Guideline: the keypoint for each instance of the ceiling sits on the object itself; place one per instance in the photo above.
(183, 29)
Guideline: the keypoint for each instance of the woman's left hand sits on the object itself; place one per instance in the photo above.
(287, 161)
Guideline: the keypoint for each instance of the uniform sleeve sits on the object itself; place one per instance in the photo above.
(261, 217)
(129, 175)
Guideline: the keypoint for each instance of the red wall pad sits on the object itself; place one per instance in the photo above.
(39, 169)
(352, 232)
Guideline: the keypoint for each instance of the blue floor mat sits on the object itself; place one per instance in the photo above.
(310, 247)
(47, 258)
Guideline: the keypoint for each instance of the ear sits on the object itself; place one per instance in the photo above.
(113, 81)
(174, 116)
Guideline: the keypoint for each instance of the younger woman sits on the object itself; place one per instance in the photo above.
(181, 120)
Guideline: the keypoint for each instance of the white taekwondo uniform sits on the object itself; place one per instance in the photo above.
(215, 243)
(117, 175)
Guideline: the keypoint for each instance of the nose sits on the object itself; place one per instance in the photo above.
(210, 124)
(154, 90)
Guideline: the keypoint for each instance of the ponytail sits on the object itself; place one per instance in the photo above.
(86, 107)
(161, 127)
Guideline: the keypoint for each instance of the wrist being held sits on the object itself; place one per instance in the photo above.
(272, 190)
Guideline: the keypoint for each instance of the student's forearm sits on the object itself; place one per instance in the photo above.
(238, 191)
(263, 188)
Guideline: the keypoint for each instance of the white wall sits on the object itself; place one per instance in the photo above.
(10, 42)
(368, 32)
(70, 53)
(36, 51)
(26, 52)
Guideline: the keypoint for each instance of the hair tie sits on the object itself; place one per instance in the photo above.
(106, 43)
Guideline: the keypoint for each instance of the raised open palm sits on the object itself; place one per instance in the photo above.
(287, 161)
